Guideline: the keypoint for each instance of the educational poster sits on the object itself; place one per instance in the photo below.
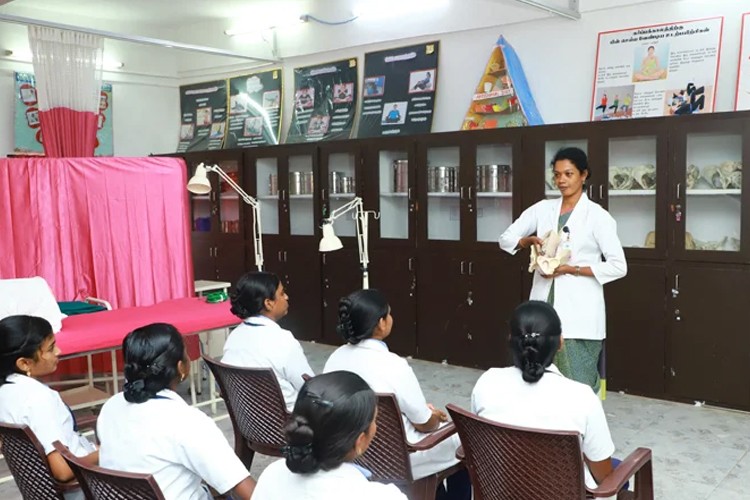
(659, 70)
(254, 110)
(203, 112)
(325, 99)
(503, 97)
(398, 93)
(742, 102)
(28, 132)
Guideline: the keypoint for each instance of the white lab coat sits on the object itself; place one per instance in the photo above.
(579, 300)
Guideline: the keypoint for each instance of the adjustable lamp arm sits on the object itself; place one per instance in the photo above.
(361, 217)
(243, 194)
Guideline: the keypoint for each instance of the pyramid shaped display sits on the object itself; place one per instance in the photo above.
(502, 98)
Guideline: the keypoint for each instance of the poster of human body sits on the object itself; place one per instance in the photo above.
(742, 102)
(254, 110)
(28, 130)
(398, 94)
(325, 99)
(203, 116)
(660, 70)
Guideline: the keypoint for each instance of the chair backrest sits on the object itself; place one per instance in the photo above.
(28, 463)
(255, 404)
(387, 457)
(99, 483)
(507, 462)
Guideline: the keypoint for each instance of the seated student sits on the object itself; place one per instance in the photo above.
(534, 393)
(333, 423)
(365, 321)
(150, 429)
(27, 352)
(259, 342)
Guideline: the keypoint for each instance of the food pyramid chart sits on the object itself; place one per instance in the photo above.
(502, 98)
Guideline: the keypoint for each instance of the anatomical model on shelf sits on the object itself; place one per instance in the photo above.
(727, 175)
(628, 178)
(551, 253)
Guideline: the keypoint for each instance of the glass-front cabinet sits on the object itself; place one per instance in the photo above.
(494, 190)
(444, 193)
(268, 193)
(395, 194)
(219, 210)
(301, 191)
(341, 187)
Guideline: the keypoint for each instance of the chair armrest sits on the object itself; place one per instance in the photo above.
(433, 438)
(460, 454)
(306, 377)
(86, 422)
(101, 302)
(617, 479)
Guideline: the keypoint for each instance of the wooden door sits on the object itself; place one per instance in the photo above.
(709, 346)
(302, 278)
(229, 254)
(204, 264)
(341, 276)
(636, 326)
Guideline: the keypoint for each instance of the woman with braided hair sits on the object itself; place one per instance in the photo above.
(533, 393)
(332, 424)
(365, 322)
(150, 429)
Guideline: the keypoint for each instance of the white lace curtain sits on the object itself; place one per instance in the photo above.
(67, 67)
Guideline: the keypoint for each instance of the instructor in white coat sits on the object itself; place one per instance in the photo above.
(575, 290)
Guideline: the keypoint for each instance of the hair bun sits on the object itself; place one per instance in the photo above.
(345, 328)
(299, 453)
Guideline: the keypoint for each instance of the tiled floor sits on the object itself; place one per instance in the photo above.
(699, 452)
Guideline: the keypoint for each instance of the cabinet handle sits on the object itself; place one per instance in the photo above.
(470, 193)
(677, 282)
(323, 194)
(278, 256)
(679, 185)
(324, 258)
(409, 194)
(216, 251)
(471, 269)
(284, 255)
(283, 194)
(601, 191)
(463, 265)
(410, 264)
(210, 251)
(591, 192)
(462, 196)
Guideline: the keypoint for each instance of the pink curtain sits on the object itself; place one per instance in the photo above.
(67, 133)
(114, 228)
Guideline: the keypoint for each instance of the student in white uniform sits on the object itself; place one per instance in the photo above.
(260, 301)
(534, 394)
(333, 423)
(27, 352)
(150, 429)
(576, 289)
(365, 321)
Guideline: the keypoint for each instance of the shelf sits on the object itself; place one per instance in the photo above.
(714, 192)
(483, 194)
(443, 195)
(229, 196)
(341, 196)
(632, 192)
(269, 197)
(300, 196)
(201, 197)
(394, 195)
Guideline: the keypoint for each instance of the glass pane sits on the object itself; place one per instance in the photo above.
(201, 208)
(714, 188)
(494, 186)
(550, 149)
(229, 200)
(301, 189)
(267, 180)
(341, 187)
(394, 194)
(443, 203)
(632, 189)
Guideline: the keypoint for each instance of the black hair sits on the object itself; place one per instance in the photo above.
(251, 292)
(151, 354)
(331, 412)
(576, 156)
(650, 47)
(535, 331)
(20, 337)
(359, 314)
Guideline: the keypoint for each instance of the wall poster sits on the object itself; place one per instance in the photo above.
(398, 93)
(660, 70)
(254, 110)
(27, 127)
(742, 101)
(325, 100)
(203, 112)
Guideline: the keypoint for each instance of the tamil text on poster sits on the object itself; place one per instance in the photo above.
(254, 110)
(28, 130)
(659, 70)
(203, 116)
(398, 93)
(325, 99)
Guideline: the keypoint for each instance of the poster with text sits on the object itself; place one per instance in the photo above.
(325, 99)
(398, 93)
(660, 70)
(742, 101)
(203, 116)
(254, 110)
(27, 127)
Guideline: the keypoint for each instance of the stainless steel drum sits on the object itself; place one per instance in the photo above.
(441, 179)
(308, 183)
(273, 184)
(506, 178)
(400, 176)
(334, 182)
(347, 184)
(296, 184)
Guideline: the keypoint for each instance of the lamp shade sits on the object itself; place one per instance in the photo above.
(329, 242)
(199, 183)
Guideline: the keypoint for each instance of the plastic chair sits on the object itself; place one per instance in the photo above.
(28, 464)
(388, 455)
(256, 407)
(507, 462)
(99, 483)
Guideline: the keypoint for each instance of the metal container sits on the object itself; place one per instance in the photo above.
(400, 176)
(334, 182)
(443, 179)
(308, 183)
(273, 184)
(506, 178)
(493, 178)
(347, 184)
(296, 184)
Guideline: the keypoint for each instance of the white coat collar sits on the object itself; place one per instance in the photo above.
(260, 320)
(579, 211)
(373, 344)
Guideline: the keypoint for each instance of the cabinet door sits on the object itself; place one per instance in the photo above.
(442, 306)
(390, 189)
(204, 264)
(229, 253)
(230, 205)
(636, 327)
(268, 193)
(301, 195)
(301, 276)
(341, 276)
(203, 210)
(438, 170)
(395, 274)
(709, 346)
